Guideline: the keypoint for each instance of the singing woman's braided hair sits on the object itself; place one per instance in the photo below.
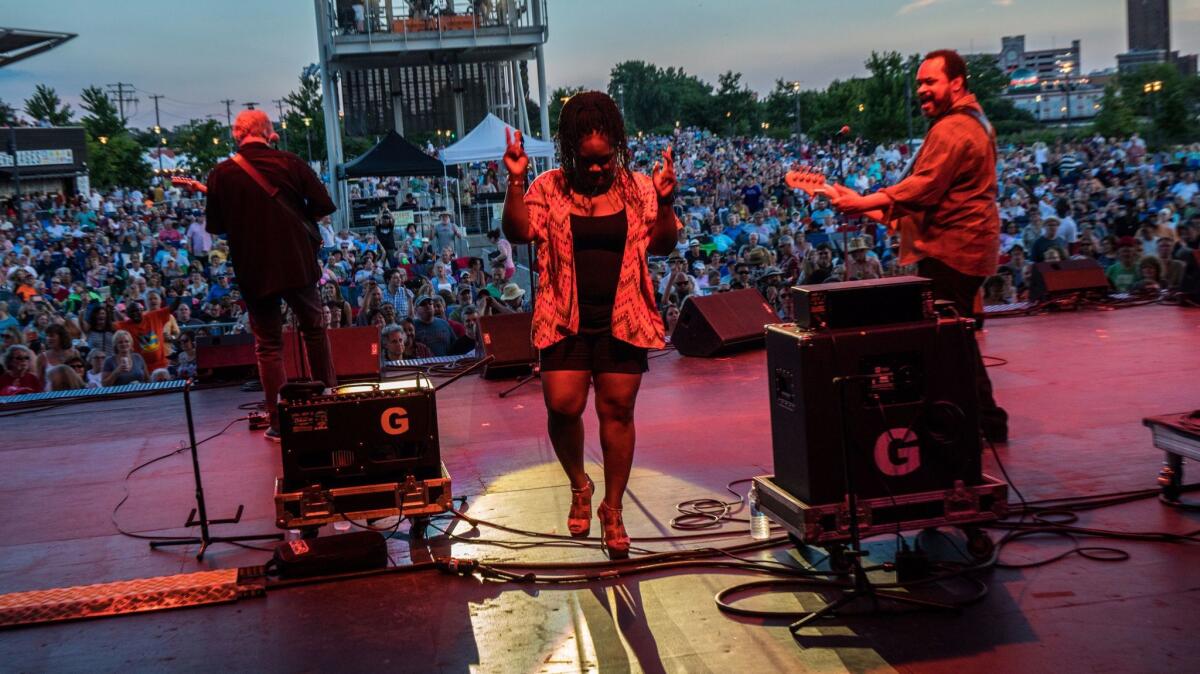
(591, 112)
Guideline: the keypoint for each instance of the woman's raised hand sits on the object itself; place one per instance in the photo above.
(515, 159)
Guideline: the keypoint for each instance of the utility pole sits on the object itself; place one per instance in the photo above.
(282, 122)
(250, 104)
(228, 115)
(158, 131)
(124, 94)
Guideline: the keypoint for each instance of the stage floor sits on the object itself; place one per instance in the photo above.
(1076, 386)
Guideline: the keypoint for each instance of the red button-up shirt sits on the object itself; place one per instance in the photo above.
(946, 208)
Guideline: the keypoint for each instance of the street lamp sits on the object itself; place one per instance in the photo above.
(861, 107)
(796, 94)
(216, 141)
(1066, 67)
(308, 137)
(1150, 88)
(103, 140)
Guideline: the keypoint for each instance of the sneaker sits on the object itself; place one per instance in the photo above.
(272, 435)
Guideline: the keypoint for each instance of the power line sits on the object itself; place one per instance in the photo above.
(124, 94)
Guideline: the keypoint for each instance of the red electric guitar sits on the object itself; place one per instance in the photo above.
(190, 183)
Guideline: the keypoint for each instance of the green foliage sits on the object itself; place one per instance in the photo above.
(102, 118)
(556, 104)
(195, 139)
(45, 104)
(306, 102)
(117, 162)
(1115, 118)
(8, 116)
(653, 99)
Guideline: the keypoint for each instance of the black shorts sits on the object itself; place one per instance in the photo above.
(595, 353)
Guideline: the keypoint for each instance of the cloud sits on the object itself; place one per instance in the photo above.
(915, 5)
(1002, 3)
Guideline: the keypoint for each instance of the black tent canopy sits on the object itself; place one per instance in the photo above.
(394, 156)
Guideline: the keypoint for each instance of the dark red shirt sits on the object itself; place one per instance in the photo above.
(271, 249)
(946, 208)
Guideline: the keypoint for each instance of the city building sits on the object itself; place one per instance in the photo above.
(1047, 63)
(1149, 38)
(1047, 82)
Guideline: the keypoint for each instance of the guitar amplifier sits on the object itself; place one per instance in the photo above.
(361, 434)
(910, 418)
(856, 304)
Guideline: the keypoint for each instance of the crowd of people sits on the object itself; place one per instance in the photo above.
(113, 288)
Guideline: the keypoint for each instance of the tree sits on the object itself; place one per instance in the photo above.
(45, 105)
(557, 99)
(1115, 118)
(306, 102)
(102, 118)
(736, 106)
(205, 142)
(116, 161)
(883, 114)
(8, 116)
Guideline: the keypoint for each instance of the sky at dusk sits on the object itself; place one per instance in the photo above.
(198, 53)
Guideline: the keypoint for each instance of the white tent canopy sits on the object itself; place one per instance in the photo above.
(486, 143)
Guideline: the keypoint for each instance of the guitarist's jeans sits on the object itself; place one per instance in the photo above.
(266, 320)
(961, 289)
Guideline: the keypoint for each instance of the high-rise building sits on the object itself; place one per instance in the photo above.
(1149, 25)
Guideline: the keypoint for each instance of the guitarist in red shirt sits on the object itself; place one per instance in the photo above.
(945, 208)
(265, 202)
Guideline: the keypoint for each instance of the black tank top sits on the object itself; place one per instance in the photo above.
(599, 249)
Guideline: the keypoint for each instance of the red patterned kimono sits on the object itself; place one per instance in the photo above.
(635, 318)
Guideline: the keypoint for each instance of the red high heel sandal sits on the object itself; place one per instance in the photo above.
(579, 519)
(615, 541)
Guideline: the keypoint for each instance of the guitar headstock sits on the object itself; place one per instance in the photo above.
(190, 183)
(808, 179)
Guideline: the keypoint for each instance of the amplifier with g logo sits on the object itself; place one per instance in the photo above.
(910, 417)
(359, 434)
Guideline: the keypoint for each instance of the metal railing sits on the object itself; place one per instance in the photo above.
(423, 18)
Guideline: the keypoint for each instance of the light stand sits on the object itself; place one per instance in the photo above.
(205, 539)
(861, 587)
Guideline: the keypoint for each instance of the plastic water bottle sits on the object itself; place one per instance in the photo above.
(760, 526)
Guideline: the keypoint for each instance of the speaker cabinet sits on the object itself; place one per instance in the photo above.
(1051, 279)
(718, 324)
(508, 338)
(910, 416)
(355, 353)
(217, 351)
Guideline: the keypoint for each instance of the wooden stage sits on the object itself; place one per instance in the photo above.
(1076, 385)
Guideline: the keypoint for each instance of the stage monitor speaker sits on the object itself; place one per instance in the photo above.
(355, 353)
(720, 323)
(1053, 279)
(218, 351)
(508, 339)
(911, 412)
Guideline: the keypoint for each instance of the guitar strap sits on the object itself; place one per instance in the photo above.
(273, 192)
